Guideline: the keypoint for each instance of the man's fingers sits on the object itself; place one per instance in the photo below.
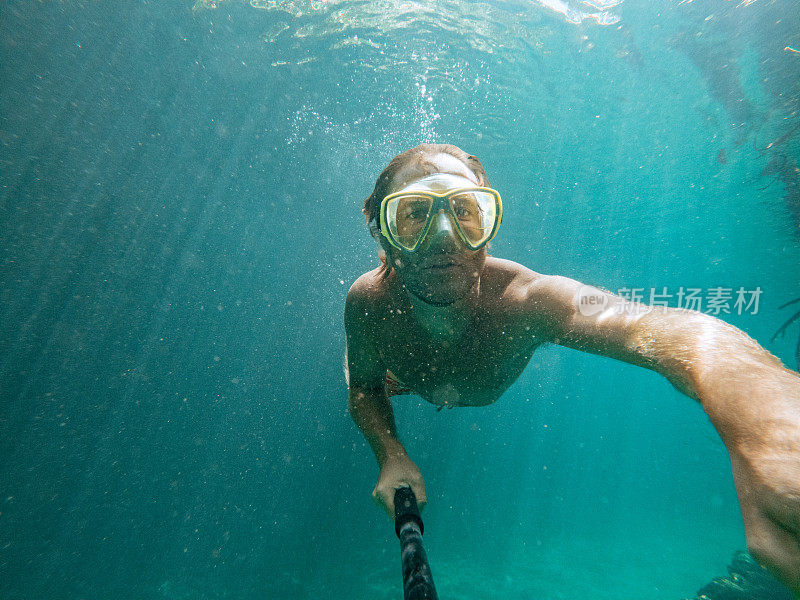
(776, 561)
(422, 499)
(381, 499)
(384, 499)
(775, 548)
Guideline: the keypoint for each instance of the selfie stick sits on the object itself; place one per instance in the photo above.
(417, 578)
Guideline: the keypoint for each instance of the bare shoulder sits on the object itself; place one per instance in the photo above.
(368, 288)
(553, 289)
(363, 363)
(534, 297)
(551, 299)
(506, 280)
(366, 295)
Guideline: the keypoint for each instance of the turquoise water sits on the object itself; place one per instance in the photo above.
(180, 195)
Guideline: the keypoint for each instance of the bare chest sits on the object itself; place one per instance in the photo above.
(473, 368)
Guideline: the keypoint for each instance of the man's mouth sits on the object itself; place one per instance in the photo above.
(442, 266)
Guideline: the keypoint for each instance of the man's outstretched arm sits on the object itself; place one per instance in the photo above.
(750, 397)
(371, 409)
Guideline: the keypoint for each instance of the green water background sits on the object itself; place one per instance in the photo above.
(180, 194)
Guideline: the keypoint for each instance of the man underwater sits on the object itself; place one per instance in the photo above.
(457, 327)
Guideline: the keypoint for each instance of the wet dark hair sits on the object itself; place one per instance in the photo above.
(417, 156)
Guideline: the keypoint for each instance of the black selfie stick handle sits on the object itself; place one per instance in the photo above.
(417, 578)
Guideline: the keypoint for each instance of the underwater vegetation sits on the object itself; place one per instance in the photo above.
(776, 122)
(789, 321)
(784, 166)
(746, 580)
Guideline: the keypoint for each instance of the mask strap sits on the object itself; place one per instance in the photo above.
(374, 230)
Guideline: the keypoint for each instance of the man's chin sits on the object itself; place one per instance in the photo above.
(436, 298)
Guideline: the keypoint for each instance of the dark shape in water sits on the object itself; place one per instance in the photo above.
(773, 170)
(722, 158)
(782, 167)
(778, 141)
(783, 328)
(746, 580)
(720, 72)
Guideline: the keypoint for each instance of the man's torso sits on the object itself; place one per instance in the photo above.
(472, 367)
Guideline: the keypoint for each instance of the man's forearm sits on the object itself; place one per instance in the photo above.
(373, 414)
(728, 372)
(744, 389)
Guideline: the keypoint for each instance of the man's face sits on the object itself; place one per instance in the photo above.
(443, 270)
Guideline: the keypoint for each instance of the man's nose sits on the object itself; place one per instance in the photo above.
(442, 232)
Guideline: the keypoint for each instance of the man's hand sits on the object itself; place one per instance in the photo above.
(395, 473)
(767, 477)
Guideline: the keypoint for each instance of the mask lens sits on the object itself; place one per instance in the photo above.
(406, 217)
(476, 213)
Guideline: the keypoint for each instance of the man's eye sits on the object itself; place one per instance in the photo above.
(416, 212)
(465, 211)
